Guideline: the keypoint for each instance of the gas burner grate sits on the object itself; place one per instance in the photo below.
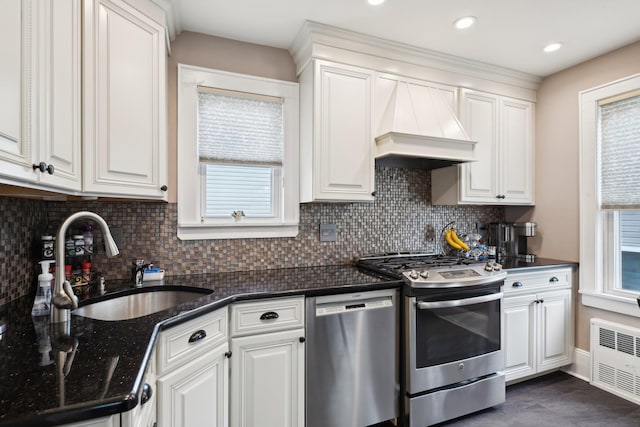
(396, 264)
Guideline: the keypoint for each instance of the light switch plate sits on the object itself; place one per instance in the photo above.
(328, 233)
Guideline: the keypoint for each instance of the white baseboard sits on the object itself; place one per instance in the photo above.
(581, 366)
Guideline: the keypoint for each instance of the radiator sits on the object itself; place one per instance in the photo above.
(615, 359)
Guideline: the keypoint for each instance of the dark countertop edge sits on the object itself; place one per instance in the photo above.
(342, 289)
(128, 402)
(539, 264)
(76, 413)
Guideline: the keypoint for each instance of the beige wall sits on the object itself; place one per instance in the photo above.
(220, 54)
(557, 167)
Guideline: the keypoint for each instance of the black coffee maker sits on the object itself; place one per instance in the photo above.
(510, 239)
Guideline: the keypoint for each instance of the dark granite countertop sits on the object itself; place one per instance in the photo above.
(515, 265)
(41, 385)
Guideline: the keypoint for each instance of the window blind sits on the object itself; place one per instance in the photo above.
(235, 127)
(231, 188)
(620, 154)
(630, 229)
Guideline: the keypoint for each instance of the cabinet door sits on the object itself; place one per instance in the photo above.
(196, 394)
(124, 101)
(519, 336)
(17, 29)
(555, 336)
(59, 130)
(267, 380)
(516, 151)
(343, 149)
(479, 116)
(112, 421)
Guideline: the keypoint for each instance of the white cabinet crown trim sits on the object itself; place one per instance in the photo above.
(313, 37)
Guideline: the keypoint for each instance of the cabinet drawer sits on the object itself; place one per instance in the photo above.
(539, 280)
(189, 340)
(267, 316)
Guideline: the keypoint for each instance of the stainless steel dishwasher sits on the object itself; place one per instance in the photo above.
(352, 359)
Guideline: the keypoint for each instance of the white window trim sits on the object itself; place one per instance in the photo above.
(190, 225)
(595, 239)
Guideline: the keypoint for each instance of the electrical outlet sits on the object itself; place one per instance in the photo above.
(328, 232)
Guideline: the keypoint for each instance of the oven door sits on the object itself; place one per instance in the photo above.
(453, 336)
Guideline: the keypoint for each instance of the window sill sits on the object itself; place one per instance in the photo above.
(617, 304)
(236, 231)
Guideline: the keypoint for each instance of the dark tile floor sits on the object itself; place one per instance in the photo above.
(556, 399)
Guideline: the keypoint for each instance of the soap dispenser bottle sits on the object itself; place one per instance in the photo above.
(42, 302)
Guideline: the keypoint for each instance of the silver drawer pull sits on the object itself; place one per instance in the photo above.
(459, 302)
(269, 315)
(197, 336)
(517, 284)
(554, 279)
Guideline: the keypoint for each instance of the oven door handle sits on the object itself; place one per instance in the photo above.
(459, 302)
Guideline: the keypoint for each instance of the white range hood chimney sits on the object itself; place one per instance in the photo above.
(419, 129)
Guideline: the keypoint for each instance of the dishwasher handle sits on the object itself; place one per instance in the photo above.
(357, 302)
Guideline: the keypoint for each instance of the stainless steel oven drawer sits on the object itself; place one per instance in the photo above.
(432, 408)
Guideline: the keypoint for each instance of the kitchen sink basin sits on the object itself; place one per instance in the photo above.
(140, 302)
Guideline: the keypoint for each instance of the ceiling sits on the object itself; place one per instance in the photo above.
(508, 33)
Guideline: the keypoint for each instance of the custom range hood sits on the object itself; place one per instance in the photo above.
(420, 130)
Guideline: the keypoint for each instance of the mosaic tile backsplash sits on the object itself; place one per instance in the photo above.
(401, 218)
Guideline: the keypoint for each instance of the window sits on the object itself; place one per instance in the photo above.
(237, 155)
(610, 196)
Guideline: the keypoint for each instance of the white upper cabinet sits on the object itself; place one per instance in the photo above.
(336, 143)
(15, 77)
(125, 143)
(504, 171)
(59, 130)
(40, 84)
(82, 98)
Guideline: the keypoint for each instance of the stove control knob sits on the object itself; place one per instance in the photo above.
(424, 274)
(413, 274)
(488, 266)
(497, 267)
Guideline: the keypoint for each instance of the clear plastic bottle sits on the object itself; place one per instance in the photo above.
(42, 302)
(87, 234)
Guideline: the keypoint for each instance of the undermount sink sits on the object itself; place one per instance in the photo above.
(140, 302)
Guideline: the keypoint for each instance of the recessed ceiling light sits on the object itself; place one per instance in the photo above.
(552, 47)
(375, 2)
(465, 22)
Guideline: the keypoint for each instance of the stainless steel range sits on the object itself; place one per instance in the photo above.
(452, 333)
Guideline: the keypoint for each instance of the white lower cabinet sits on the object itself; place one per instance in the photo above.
(538, 322)
(196, 394)
(193, 373)
(267, 368)
(112, 421)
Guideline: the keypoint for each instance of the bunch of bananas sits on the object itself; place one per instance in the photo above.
(454, 241)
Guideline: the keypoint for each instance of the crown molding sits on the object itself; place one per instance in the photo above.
(172, 16)
(314, 38)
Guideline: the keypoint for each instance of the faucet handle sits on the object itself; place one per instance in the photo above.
(65, 298)
(70, 294)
